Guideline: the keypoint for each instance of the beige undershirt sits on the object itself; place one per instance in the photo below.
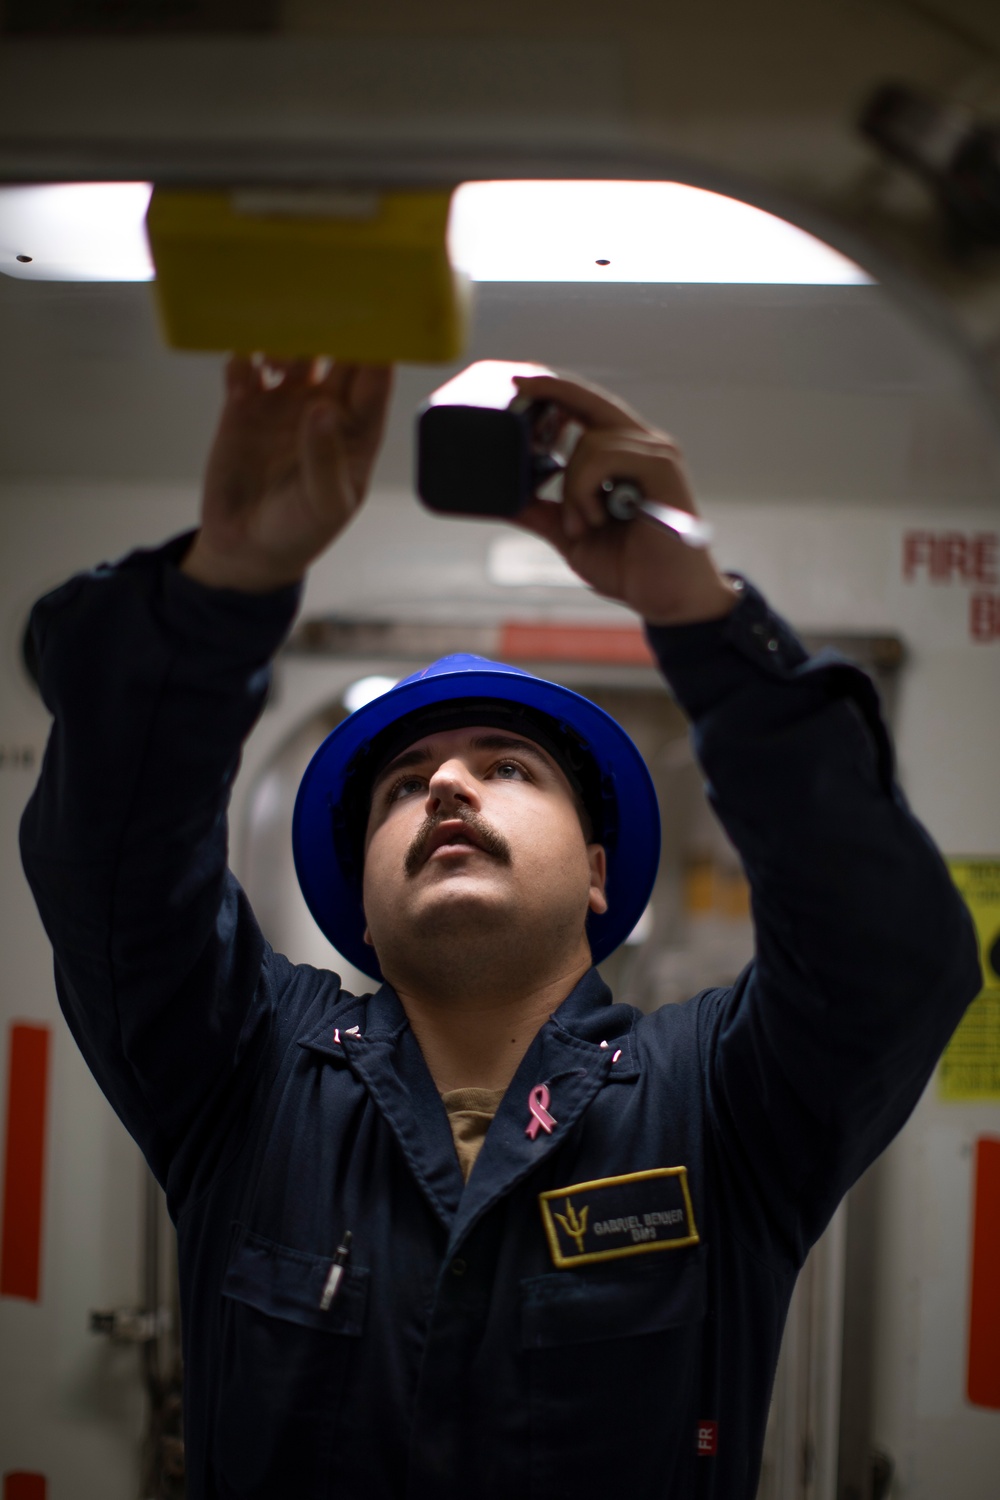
(470, 1112)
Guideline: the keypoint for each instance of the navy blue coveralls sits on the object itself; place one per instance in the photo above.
(460, 1357)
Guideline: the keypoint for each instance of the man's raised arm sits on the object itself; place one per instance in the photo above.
(155, 670)
(865, 955)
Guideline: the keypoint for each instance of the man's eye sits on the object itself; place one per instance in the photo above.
(510, 770)
(404, 787)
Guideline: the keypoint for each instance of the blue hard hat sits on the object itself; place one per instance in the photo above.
(606, 769)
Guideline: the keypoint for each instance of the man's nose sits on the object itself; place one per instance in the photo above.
(451, 784)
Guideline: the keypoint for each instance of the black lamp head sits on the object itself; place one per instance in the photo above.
(480, 444)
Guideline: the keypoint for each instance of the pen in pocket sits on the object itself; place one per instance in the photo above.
(333, 1280)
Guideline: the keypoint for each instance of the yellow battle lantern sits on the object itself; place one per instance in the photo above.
(357, 274)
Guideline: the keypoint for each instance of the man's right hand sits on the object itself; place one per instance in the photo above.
(289, 466)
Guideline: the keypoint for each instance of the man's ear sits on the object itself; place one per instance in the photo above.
(368, 938)
(598, 862)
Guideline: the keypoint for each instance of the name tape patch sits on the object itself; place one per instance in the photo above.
(616, 1216)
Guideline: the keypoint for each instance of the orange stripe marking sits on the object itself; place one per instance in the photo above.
(546, 641)
(23, 1486)
(984, 1303)
(24, 1163)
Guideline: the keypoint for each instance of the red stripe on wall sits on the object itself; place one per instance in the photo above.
(546, 641)
(984, 1303)
(24, 1162)
(25, 1486)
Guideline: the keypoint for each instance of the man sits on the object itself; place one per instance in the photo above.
(592, 1304)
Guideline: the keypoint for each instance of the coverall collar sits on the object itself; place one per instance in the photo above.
(566, 1056)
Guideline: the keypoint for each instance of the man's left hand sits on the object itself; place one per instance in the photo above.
(637, 562)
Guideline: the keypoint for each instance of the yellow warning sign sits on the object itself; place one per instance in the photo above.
(970, 1068)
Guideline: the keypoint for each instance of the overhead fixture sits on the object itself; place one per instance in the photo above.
(643, 929)
(499, 231)
(517, 561)
(631, 231)
(365, 690)
(955, 153)
(75, 231)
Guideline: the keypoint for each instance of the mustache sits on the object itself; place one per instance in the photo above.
(484, 834)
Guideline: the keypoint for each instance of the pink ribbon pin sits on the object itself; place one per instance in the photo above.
(538, 1103)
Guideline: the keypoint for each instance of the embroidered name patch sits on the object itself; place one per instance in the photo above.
(616, 1216)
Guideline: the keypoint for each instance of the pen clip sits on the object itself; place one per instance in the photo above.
(336, 1273)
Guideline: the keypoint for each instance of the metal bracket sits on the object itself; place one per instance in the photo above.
(129, 1325)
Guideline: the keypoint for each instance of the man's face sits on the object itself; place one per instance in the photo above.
(476, 826)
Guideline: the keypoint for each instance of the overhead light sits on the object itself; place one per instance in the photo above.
(642, 930)
(76, 231)
(517, 561)
(365, 690)
(499, 231)
(631, 231)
